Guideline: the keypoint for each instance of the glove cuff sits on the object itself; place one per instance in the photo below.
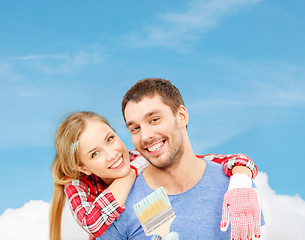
(135, 169)
(240, 181)
(139, 164)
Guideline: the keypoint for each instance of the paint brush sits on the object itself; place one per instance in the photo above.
(155, 213)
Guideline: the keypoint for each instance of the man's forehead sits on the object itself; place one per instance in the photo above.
(148, 101)
(144, 108)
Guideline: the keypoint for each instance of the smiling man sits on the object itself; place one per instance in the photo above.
(155, 135)
(161, 138)
(157, 119)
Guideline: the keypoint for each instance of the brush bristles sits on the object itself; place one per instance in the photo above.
(152, 205)
(151, 211)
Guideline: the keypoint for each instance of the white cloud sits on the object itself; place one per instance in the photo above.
(284, 216)
(31, 222)
(62, 63)
(174, 29)
(28, 222)
(41, 57)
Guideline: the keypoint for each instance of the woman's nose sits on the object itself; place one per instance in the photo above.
(110, 153)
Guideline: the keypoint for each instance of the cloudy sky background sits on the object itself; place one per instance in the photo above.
(238, 63)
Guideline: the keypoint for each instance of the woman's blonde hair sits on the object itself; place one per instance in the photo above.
(65, 164)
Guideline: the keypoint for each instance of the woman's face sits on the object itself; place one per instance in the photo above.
(102, 152)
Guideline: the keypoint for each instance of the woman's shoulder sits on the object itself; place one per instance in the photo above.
(91, 185)
(87, 181)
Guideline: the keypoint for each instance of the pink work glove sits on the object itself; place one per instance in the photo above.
(241, 208)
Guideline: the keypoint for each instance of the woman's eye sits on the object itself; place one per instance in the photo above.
(110, 139)
(95, 154)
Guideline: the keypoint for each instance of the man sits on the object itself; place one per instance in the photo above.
(157, 120)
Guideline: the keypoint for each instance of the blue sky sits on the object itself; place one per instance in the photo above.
(239, 65)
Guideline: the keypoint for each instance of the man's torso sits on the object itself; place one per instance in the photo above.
(198, 210)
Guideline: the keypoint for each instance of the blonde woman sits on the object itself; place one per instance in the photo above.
(92, 170)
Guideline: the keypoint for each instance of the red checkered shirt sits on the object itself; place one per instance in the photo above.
(95, 208)
(231, 160)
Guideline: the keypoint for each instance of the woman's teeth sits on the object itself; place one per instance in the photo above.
(117, 163)
(155, 147)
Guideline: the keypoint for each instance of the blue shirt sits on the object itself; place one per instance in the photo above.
(198, 211)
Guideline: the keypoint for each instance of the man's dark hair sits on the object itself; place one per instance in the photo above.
(151, 87)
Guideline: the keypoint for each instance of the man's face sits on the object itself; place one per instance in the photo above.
(155, 131)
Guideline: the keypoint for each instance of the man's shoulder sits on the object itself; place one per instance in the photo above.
(213, 166)
(138, 191)
(215, 173)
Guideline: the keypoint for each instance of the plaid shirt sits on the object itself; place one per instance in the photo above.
(231, 160)
(92, 204)
(95, 208)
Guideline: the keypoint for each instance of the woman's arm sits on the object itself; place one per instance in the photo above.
(120, 187)
(94, 212)
(233, 163)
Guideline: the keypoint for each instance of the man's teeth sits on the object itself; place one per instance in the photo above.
(117, 163)
(155, 147)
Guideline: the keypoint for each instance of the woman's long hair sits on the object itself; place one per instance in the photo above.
(66, 162)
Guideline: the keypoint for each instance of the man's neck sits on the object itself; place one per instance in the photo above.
(179, 179)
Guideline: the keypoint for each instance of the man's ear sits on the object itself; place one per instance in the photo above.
(84, 170)
(183, 116)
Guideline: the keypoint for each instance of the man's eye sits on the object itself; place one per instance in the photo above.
(134, 129)
(94, 154)
(154, 120)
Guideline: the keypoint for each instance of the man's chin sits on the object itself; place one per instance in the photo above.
(161, 165)
(158, 162)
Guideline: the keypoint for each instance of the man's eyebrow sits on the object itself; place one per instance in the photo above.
(147, 115)
(129, 123)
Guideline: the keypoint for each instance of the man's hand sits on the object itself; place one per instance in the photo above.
(241, 208)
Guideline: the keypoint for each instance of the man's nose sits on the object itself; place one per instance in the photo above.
(146, 133)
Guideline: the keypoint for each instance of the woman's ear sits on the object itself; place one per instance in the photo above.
(84, 170)
(183, 116)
